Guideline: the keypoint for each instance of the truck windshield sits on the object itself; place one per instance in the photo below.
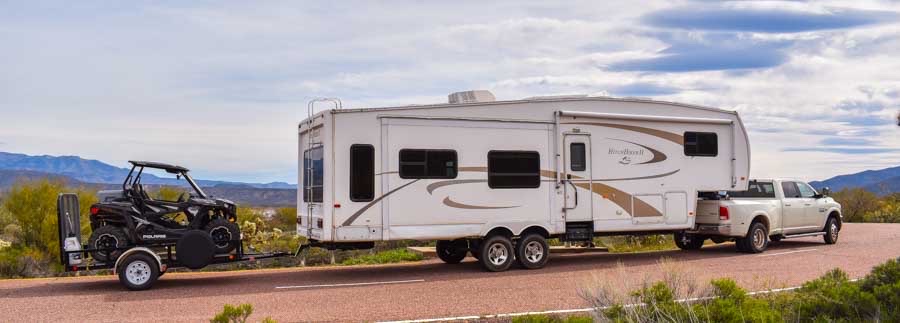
(756, 189)
(312, 175)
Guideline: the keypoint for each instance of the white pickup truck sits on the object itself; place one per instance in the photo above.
(768, 210)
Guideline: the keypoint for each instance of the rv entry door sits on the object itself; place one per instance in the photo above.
(577, 176)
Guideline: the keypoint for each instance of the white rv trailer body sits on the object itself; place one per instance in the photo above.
(630, 173)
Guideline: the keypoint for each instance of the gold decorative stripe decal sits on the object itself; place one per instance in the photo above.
(359, 212)
(673, 137)
(452, 203)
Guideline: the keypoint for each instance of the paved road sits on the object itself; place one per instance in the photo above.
(432, 289)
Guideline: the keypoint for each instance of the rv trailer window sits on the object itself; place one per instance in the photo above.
(577, 156)
(701, 144)
(362, 173)
(514, 169)
(312, 175)
(422, 163)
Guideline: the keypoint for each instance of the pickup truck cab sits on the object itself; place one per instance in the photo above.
(770, 210)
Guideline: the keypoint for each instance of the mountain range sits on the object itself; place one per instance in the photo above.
(882, 181)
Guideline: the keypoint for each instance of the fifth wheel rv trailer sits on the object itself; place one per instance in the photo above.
(498, 178)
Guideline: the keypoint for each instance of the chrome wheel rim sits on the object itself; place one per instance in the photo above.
(498, 254)
(759, 239)
(834, 231)
(221, 236)
(138, 272)
(534, 251)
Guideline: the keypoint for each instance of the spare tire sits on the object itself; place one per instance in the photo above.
(195, 249)
(107, 238)
(225, 234)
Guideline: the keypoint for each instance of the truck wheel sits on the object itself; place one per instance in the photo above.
(138, 271)
(756, 241)
(831, 231)
(451, 252)
(107, 237)
(686, 241)
(496, 253)
(532, 251)
(224, 234)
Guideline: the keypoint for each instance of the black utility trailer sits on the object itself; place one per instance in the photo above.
(139, 266)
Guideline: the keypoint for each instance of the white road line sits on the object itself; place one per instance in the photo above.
(577, 310)
(786, 252)
(353, 284)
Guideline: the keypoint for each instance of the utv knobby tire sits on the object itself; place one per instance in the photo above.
(225, 234)
(451, 252)
(107, 237)
(138, 271)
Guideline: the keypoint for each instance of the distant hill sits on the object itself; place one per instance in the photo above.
(93, 171)
(881, 181)
(76, 171)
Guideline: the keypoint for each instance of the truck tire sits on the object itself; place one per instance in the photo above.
(496, 253)
(831, 231)
(532, 251)
(451, 252)
(224, 234)
(107, 237)
(686, 241)
(138, 271)
(756, 241)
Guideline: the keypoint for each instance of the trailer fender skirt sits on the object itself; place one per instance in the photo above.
(162, 267)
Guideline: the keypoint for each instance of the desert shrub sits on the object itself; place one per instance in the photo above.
(285, 219)
(543, 318)
(855, 203)
(384, 257)
(236, 314)
(20, 262)
(653, 242)
(732, 304)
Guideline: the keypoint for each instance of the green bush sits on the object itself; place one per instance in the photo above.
(236, 314)
(384, 257)
(552, 319)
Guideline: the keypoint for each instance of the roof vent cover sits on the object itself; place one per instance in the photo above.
(471, 97)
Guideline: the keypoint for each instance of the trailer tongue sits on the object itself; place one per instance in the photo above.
(139, 266)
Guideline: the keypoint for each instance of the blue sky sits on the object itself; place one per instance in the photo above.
(220, 86)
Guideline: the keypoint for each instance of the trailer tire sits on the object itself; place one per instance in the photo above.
(224, 234)
(686, 241)
(532, 251)
(756, 241)
(832, 230)
(138, 271)
(496, 253)
(107, 237)
(451, 252)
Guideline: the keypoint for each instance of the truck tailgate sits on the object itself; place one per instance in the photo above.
(708, 211)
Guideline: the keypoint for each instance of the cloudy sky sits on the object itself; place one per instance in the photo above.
(220, 86)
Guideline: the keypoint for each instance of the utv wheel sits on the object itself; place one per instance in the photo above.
(107, 237)
(451, 252)
(831, 231)
(496, 253)
(224, 234)
(756, 241)
(686, 241)
(532, 251)
(138, 271)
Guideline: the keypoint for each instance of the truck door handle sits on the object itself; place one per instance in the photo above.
(785, 204)
(808, 204)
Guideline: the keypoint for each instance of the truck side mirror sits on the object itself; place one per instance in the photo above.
(826, 191)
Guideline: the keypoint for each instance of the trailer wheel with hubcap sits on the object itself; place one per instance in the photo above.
(532, 251)
(686, 241)
(756, 241)
(138, 271)
(496, 253)
(451, 252)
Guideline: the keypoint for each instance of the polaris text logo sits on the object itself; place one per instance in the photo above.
(154, 236)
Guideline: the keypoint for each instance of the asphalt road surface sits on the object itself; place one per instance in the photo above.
(432, 289)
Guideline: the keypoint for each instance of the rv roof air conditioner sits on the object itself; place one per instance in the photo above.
(471, 97)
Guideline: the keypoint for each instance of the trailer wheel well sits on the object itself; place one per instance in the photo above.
(502, 231)
(536, 229)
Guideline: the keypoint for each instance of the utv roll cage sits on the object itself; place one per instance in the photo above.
(134, 179)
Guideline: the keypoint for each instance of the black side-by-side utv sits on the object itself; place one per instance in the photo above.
(131, 217)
